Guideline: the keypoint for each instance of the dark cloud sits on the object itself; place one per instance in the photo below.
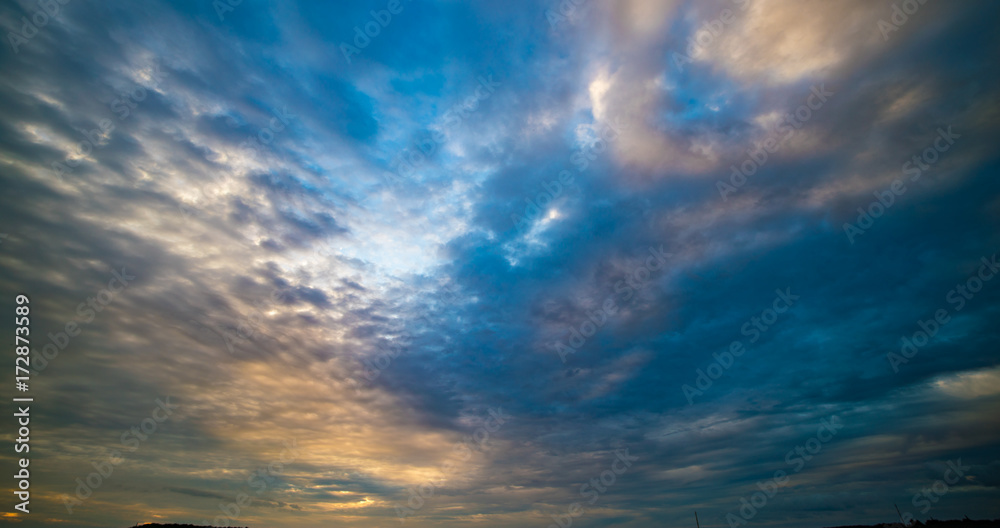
(347, 332)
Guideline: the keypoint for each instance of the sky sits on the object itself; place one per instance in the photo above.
(503, 263)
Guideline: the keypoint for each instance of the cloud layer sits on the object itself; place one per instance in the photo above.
(563, 214)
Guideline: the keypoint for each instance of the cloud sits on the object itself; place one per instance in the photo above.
(276, 264)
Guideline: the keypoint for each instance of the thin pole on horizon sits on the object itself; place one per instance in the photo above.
(698, 524)
(899, 514)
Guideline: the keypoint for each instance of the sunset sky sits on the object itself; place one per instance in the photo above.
(503, 263)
